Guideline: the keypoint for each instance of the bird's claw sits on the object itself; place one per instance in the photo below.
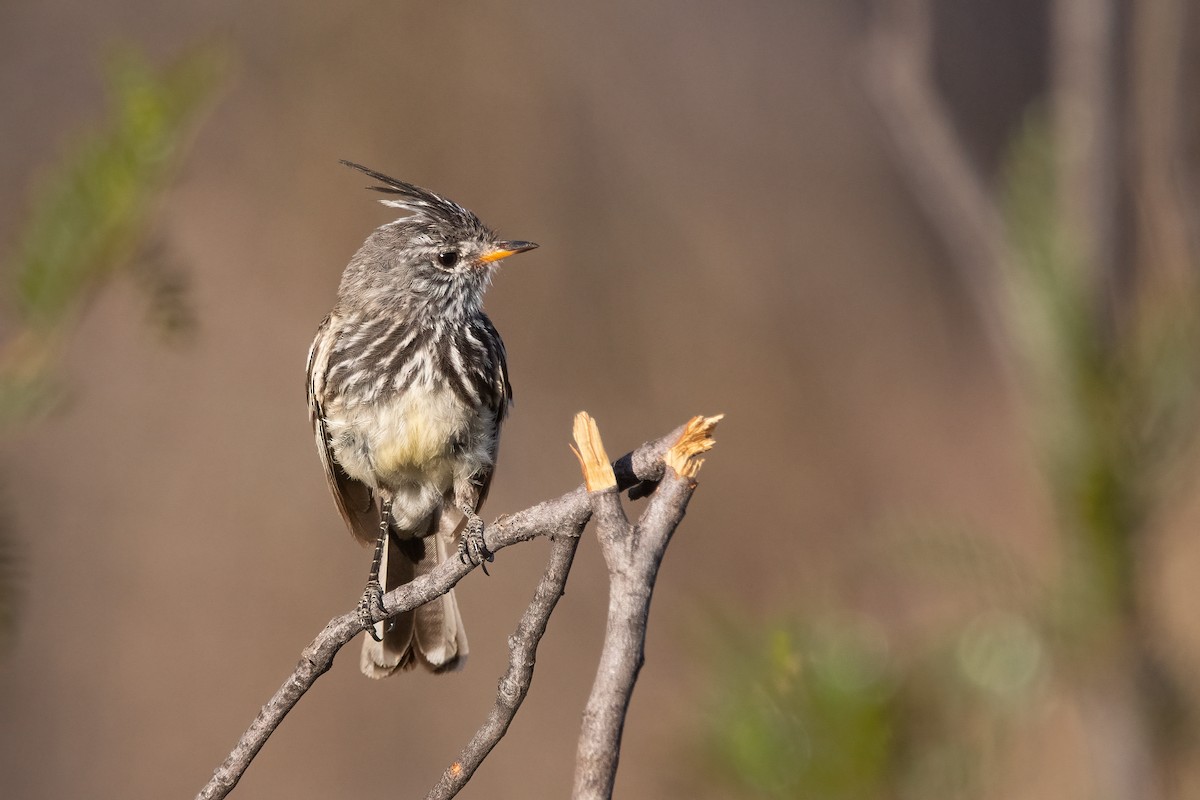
(471, 547)
(370, 607)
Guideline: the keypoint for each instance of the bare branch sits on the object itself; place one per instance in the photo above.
(514, 685)
(560, 518)
(633, 555)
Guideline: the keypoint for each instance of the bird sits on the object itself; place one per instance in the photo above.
(407, 389)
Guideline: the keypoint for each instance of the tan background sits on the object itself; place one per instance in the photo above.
(721, 230)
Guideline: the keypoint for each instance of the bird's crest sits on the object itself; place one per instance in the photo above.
(415, 200)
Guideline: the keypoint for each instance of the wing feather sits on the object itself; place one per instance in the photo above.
(354, 499)
(501, 398)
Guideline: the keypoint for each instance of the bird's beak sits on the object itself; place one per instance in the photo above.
(504, 250)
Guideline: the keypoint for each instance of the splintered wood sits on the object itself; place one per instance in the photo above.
(597, 471)
(695, 439)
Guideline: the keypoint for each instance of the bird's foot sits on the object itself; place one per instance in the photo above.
(471, 547)
(370, 608)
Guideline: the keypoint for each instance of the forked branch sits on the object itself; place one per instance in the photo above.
(633, 554)
(562, 520)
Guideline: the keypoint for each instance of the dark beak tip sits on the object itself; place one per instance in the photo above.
(505, 248)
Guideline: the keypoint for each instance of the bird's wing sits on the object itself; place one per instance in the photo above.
(499, 398)
(354, 498)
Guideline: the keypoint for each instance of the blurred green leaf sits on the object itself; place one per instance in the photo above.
(1114, 386)
(92, 219)
(804, 711)
(825, 708)
(1073, 382)
(92, 213)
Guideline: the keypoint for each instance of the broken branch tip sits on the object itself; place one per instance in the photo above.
(589, 449)
(683, 456)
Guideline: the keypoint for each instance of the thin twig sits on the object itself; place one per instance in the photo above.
(560, 517)
(514, 685)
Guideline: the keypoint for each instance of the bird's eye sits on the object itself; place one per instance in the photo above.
(448, 258)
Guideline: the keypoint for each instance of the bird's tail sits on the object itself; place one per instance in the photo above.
(431, 635)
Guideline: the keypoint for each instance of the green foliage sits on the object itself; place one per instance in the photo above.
(839, 708)
(829, 709)
(806, 711)
(92, 220)
(91, 217)
(1114, 384)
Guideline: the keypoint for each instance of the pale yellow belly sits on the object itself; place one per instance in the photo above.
(412, 437)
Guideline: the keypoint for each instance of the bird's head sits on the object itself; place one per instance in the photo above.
(438, 259)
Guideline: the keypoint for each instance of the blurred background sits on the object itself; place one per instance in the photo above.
(935, 261)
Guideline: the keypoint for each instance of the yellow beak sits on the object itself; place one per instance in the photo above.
(504, 250)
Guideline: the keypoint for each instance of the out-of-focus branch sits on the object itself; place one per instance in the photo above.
(1103, 381)
(1085, 139)
(560, 519)
(633, 553)
(1166, 204)
(932, 158)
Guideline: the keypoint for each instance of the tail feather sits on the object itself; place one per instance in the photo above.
(380, 659)
(438, 631)
(432, 634)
